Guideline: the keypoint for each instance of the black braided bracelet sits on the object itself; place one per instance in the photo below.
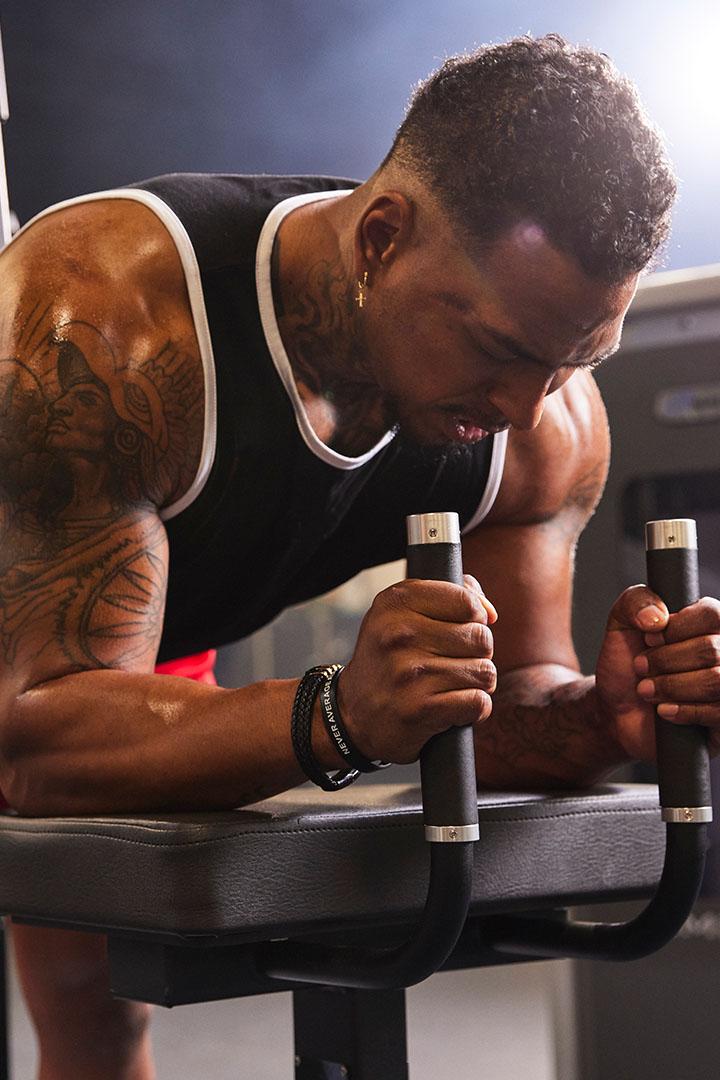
(301, 731)
(337, 730)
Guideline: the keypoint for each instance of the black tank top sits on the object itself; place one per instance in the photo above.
(274, 523)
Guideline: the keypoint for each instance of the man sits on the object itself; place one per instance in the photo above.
(195, 456)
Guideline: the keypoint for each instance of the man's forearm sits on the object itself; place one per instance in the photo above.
(109, 741)
(546, 730)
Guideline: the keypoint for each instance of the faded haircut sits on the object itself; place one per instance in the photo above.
(538, 129)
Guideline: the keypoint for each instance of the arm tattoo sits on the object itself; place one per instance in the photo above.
(318, 326)
(95, 604)
(90, 444)
(545, 727)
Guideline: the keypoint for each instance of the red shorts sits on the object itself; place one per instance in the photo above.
(200, 667)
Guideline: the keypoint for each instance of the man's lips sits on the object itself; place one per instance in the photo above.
(474, 420)
(460, 428)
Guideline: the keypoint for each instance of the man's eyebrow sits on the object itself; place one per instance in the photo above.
(522, 353)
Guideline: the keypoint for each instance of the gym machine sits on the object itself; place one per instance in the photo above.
(324, 895)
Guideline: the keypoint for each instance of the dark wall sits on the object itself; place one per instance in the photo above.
(105, 93)
(102, 93)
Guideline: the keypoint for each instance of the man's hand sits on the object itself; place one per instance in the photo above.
(651, 659)
(422, 664)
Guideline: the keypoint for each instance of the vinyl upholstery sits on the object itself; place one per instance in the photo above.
(308, 861)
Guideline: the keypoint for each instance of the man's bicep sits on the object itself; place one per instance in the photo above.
(90, 600)
(101, 425)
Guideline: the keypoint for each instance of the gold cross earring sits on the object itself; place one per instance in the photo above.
(362, 286)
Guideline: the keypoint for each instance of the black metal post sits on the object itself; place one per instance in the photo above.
(350, 1034)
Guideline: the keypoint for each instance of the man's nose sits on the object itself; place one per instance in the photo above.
(522, 400)
(61, 407)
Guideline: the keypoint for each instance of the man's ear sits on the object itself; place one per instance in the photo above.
(383, 230)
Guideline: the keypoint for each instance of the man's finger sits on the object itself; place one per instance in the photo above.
(440, 600)
(696, 686)
(638, 608)
(695, 620)
(702, 652)
(473, 583)
(678, 713)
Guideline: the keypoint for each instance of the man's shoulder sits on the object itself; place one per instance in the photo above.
(560, 465)
(139, 228)
(94, 241)
(94, 293)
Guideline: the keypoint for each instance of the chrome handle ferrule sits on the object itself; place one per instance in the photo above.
(452, 834)
(687, 815)
(433, 528)
(671, 534)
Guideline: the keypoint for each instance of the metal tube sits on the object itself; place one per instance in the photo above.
(684, 780)
(447, 761)
(451, 820)
(682, 754)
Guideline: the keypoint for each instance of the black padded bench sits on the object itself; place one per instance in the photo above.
(189, 900)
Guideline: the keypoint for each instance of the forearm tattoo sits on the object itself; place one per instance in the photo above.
(91, 443)
(545, 727)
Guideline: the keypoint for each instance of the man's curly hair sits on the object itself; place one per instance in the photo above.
(536, 128)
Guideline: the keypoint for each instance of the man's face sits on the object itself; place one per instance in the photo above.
(461, 348)
(81, 420)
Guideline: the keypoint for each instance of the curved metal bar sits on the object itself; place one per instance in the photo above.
(685, 797)
(654, 927)
(444, 916)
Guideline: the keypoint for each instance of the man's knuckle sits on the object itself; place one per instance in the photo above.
(395, 634)
(711, 607)
(472, 605)
(410, 674)
(486, 674)
(713, 682)
(482, 640)
(394, 596)
(480, 705)
(710, 651)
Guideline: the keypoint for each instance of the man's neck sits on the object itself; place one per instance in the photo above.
(314, 290)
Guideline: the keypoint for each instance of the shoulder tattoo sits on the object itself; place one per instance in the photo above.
(91, 444)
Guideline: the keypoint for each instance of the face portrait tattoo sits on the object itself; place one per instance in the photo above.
(107, 425)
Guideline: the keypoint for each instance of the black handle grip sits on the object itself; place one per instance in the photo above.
(682, 755)
(447, 761)
(450, 809)
(684, 774)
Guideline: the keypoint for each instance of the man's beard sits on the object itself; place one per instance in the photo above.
(424, 450)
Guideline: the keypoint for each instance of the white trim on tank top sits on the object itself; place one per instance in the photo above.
(263, 274)
(492, 484)
(191, 271)
(263, 267)
(276, 348)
